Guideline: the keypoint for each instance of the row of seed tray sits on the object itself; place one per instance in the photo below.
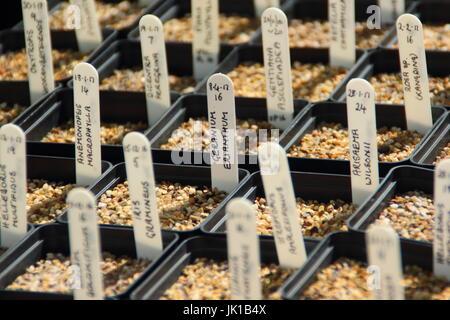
(37, 267)
(308, 23)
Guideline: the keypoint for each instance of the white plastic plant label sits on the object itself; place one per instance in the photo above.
(13, 185)
(39, 48)
(141, 184)
(87, 124)
(414, 73)
(362, 132)
(89, 33)
(85, 247)
(154, 63)
(441, 241)
(222, 127)
(390, 10)
(384, 256)
(280, 197)
(277, 66)
(205, 37)
(261, 5)
(341, 15)
(243, 251)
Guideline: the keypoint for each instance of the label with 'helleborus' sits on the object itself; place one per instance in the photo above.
(222, 127)
(414, 73)
(277, 66)
(87, 124)
(39, 48)
(362, 133)
(13, 185)
(154, 64)
(243, 250)
(141, 183)
(441, 242)
(280, 197)
(85, 247)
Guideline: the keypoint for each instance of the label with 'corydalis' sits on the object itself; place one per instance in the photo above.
(39, 48)
(87, 124)
(362, 133)
(243, 250)
(141, 183)
(277, 66)
(414, 73)
(13, 185)
(154, 64)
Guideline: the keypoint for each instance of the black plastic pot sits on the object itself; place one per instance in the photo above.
(195, 106)
(388, 61)
(54, 238)
(55, 169)
(14, 40)
(192, 175)
(432, 146)
(54, 5)
(126, 54)
(400, 180)
(387, 115)
(179, 8)
(119, 107)
(349, 245)
(212, 247)
(254, 53)
(429, 12)
(308, 186)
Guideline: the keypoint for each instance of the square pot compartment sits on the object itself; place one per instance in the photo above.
(55, 5)
(126, 54)
(353, 246)
(335, 112)
(388, 61)
(400, 180)
(317, 10)
(55, 169)
(308, 186)
(254, 54)
(430, 12)
(195, 106)
(18, 94)
(54, 238)
(173, 9)
(211, 247)
(192, 175)
(432, 147)
(57, 110)
(14, 40)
